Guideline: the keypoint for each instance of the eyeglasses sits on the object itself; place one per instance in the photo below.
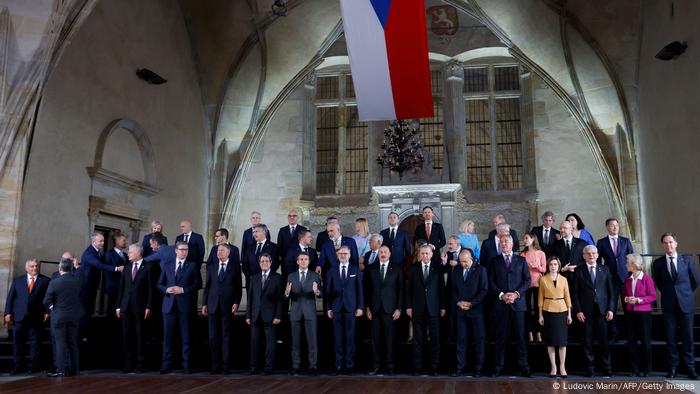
(182, 250)
(292, 216)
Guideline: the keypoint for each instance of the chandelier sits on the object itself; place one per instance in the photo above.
(401, 150)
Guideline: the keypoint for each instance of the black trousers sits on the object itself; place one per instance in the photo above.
(532, 320)
(504, 317)
(344, 333)
(260, 328)
(29, 327)
(596, 325)
(638, 327)
(67, 357)
(134, 336)
(383, 339)
(675, 320)
(422, 322)
(475, 321)
(219, 339)
(172, 322)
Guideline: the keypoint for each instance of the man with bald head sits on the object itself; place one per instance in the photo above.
(194, 241)
(288, 235)
(569, 250)
(248, 242)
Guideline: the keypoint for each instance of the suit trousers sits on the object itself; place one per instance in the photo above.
(475, 321)
(66, 335)
(422, 322)
(596, 324)
(673, 321)
(171, 321)
(268, 330)
(134, 336)
(344, 332)
(309, 326)
(21, 330)
(638, 326)
(219, 339)
(383, 339)
(504, 318)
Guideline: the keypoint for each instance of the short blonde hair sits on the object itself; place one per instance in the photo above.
(364, 226)
(464, 225)
(637, 260)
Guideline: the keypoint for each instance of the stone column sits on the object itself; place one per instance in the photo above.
(308, 162)
(455, 127)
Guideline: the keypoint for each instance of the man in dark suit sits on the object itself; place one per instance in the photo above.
(425, 304)
(134, 300)
(161, 253)
(397, 240)
(490, 247)
(248, 242)
(222, 296)
(593, 302)
(194, 241)
(431, 232)
(25, 309)
(63, 301)
(179, 281)
(384, 302)
(115, 257)
(546, 234)
(372, 255)
(221, 238)
(469, 286)
(156, 227)
(498, 219)
(569, 250)
(288, 235)
(330, 248)
(92, 263)
(302, 289)
(322, 236)
(677, 279)
(67, 255)
(344, 301)
(303, 245)
(449, 260)
(509, 279)
(251, 265)
(264, 311)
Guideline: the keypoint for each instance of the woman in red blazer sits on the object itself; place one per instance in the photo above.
(639, 295)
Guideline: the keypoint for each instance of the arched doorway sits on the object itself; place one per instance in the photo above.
(409, 224)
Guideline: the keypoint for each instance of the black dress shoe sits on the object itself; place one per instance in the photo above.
(313, 372)
(215, 371)
(294, 372)
(253, 372)
(433, 373)
(337, 371)
(564, 376)
(590, 374)
(643, 375)
(390, 372)
(692, 375)
(349, 372)
(56, 375)
(267, 372)
(127, 370)
(671, 374)
(374, 372)
(457, 373)
(526, 373)
(496, 374)
(138, 371)
(165, 371)
(187, 371)
(552, 376)
(477, 374)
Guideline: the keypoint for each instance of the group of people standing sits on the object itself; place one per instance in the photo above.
(469, 291)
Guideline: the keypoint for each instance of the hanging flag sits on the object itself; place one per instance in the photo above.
(388, 47)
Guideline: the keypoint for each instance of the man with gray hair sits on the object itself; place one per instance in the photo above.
(248, 242)
(336, 240)
(546, 234)
(251, 265)
(498, 219)
(490, 247)
(375, 242)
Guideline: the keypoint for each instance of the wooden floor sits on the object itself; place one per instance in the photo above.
(200, 383)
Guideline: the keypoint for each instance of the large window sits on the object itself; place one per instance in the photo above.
(494, 151)
(341, 139)
(432, 130)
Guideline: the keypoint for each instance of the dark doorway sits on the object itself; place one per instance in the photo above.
(409, 224)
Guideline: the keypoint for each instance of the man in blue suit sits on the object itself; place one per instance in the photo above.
(329, 250)
(677, 279)
(344, 302)
(116, 257)
(221, 238)
(156, 227)
(179, 282)
(613, 251)
(490, 247)
(250, 262)
(303, 245)
(248, 242)
(161, 251)
(397, 240)
(24, 307)
(194, 241)
(509, 279)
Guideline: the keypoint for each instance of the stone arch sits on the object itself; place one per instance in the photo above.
(142, 140)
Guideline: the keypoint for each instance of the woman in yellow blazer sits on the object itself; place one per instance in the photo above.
(554, 304)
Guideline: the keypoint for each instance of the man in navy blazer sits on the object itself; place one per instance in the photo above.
(509, 279)
(251, 265)
(115, 257)
(469, 286)
(546, 234)
(322, 236)
(222, 296)
(248, 242)
(397, 240)
(288, 235)
(490, 247)
(432, 232)
(498, 219)
(372, 255)
(221, 238)
(178, 282)
(677, 278)
(304, 239)
(156, 227)
(344, 301)
(161, 251)
(335, 241)
(25, 309)
(194, 241)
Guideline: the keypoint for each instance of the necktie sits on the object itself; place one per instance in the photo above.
(591, 269)
(546, 236)
(342, 274)
(306, 250)
(372, 257)
(31, 284)
(465, 274)
(393, 234)
(383, 271)
(264, 279)
(134, 270)
(674, 271)
(303, 278)
(291, 231)
(615, 245)
(179, 268)
(187, 238)
(568, 245)
(427, 231)
(425, 271)
(507, 261)
(222, 270)
(258, 249)
(455, 256)
(498, 246)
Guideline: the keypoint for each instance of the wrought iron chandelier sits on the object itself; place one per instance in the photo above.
(402, 149)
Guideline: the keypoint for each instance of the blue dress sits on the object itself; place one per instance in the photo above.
(362, 244)
(470, 241)
(586, 236)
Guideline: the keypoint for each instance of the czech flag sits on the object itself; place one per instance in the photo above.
(388, 47)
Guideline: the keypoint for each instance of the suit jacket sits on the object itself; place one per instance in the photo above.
(220, 294)
(23, 305)
(136, 295)
(147, 251)
(63, 298)
(575, 256)
(321, 239)
(645, 290)
(488, 252)
(303, 299)
(249, 242)
(329, 259)
(367, 257)
(552, 298)
(507, 280)
(400, 246)
(233, 256)
(615, 263)
(437, 236)
(265, 302)
(586, 292)
(286, 240)
(250, 263)
(383, 295)
(425, 296)
(681, 290)
(344, 295)
(539, 232)
(474, 290)
(113, 278)
(189, 279)
(513, 233)
(196, 247)
(91, 263)
(290, 260)
(164, 253)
